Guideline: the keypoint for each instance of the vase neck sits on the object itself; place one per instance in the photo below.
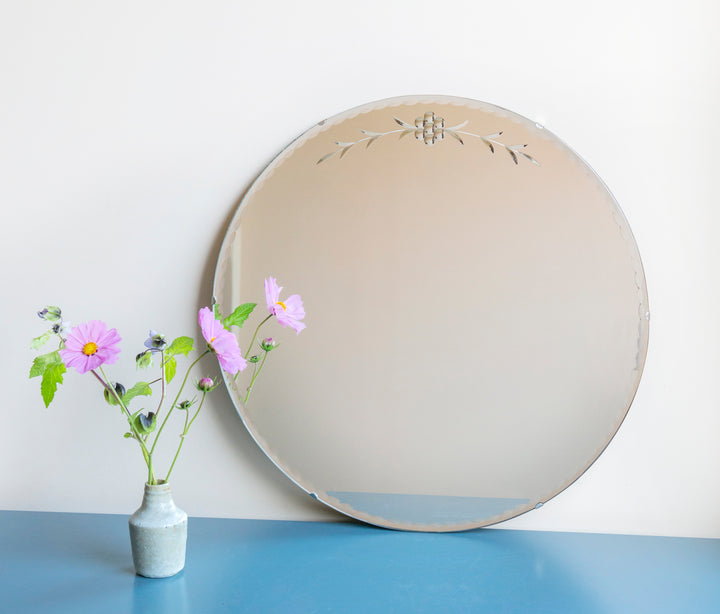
(157, 494)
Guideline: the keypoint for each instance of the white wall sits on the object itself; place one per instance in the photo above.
(129, 130)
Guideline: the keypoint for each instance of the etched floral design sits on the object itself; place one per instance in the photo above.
(430, 128)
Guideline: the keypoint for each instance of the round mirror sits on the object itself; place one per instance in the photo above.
(476, 313)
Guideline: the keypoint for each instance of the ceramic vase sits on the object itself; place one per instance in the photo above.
(158, 534)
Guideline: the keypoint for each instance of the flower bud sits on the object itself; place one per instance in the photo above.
(206, 384)
(50, 313)
(268, 344)
(155, 341)
(61, 327)
(119, 390)
(145, 424)
(254, 359)
(185, 405)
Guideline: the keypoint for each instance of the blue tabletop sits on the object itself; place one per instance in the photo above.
(54, 562)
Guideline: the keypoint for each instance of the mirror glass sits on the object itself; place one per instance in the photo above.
(477, 317)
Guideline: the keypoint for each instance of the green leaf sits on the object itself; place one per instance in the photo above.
(181, 345)
(143, 360)
(141, 388)
(43, 361)
(238, 317)
(170, 368)
(127, 435)
(38, 342)
(52, 376)
(216, 311)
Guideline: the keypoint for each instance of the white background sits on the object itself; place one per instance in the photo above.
(129, 131)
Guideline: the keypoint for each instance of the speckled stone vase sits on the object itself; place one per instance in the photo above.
(158, 534)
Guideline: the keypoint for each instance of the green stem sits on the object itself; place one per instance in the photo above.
(249, 350)
(255, 368)
(162, 380)
(143, 448)
(255, 334)
(172, 407)
(254, 377)
(185, 432)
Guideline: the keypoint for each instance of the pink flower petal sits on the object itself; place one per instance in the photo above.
(80, 332)
(78, 362)
(217, 329)
(107, 356)
(288, 312)
(93, 362)
(225, 342)
(110, 337)
(222, 342)
(294, 307)
(232, 364)
(95, 330)
(70, 358)
(272, 292)
(206, 320)
(73, 344)
(286, 320)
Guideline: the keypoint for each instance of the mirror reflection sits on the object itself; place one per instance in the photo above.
(475, 309)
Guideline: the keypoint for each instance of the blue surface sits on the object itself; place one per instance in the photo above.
(51, 562)
(427, 509)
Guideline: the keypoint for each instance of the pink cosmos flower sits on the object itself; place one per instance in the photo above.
(90, 345)
(221, 341)
(288, 312)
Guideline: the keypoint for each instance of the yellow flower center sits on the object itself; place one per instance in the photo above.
(213, 339)
(90, 348)
(281, 305)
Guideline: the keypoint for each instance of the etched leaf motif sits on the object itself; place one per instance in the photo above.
(403, 124)
(430, 129)
(533, 160)
(326, 156)
(455, 135)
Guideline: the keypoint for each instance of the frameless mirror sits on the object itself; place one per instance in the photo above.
(476, 312)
